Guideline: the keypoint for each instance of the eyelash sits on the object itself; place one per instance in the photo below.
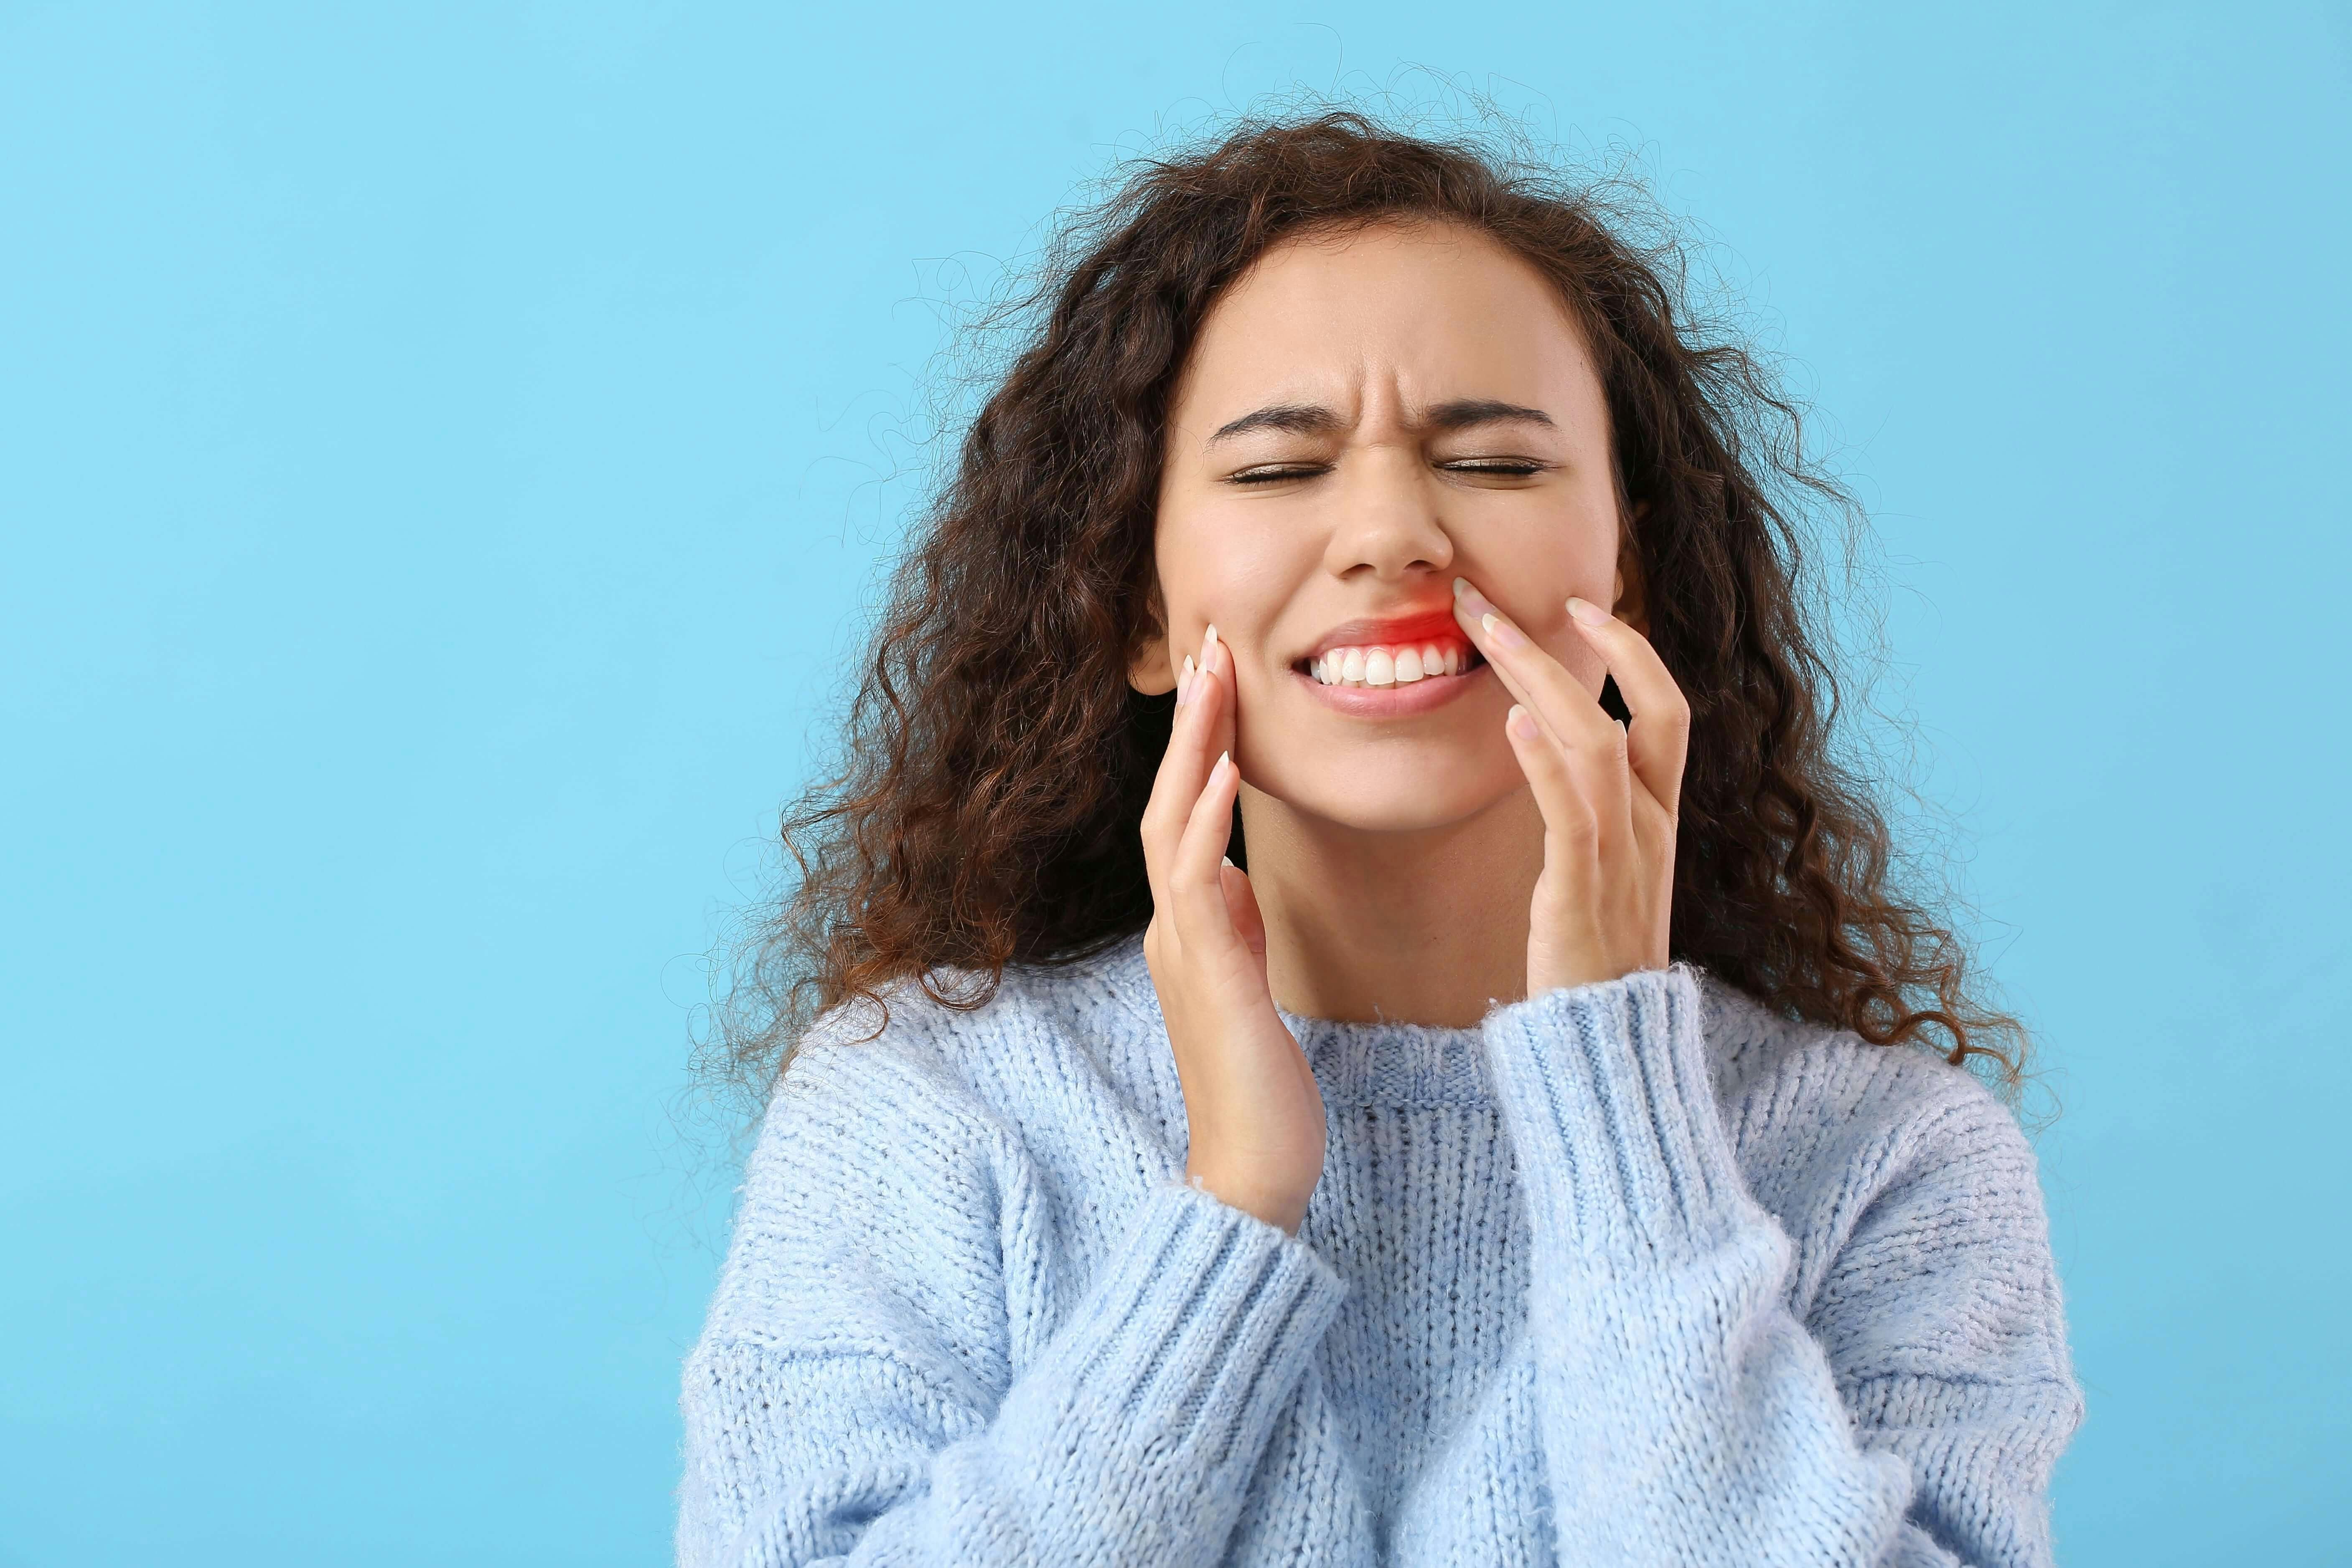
(1516, 468)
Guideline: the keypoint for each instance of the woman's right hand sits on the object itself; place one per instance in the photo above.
(1250, 1099)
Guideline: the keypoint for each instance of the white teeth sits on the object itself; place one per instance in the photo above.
(1386, 666)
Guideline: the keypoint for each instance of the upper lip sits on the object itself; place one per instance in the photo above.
(1422, 627)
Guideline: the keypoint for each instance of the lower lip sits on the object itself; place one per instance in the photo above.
(1422, 695)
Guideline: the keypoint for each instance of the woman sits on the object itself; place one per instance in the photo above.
(1525, 1152)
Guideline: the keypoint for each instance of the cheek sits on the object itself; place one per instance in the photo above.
(1219, 565)
(1572, 553)
(1536, 599)
(1576, 656)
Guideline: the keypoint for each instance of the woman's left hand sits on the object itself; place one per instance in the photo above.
(1608, 795)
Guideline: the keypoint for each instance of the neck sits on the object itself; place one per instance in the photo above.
(1423, 928)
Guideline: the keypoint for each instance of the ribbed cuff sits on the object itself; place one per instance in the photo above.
(1612, 1117)
(1203, 1325)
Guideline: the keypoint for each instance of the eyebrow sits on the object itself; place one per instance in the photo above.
(1465, 412)
(1314, 419)
(1298, 418)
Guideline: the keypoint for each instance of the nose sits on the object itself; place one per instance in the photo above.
(1385, 520)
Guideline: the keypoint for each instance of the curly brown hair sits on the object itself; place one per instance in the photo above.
(982, 817)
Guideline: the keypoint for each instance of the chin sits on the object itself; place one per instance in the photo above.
(1386, 794)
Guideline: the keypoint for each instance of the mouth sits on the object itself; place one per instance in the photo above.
(1375, 655)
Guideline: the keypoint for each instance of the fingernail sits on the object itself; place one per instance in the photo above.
(1184, 682)
(1229, 861)
(1208, 644)
(1590, 614)
(1505, 634)
(1522, 722)
(1461, 586)
(1217, 774)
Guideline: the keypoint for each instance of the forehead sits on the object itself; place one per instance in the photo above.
(1427, 311)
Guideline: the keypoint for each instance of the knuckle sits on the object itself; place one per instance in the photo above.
(1570, 854)
(1548, 765)
(1593, 749)
(1573, 820)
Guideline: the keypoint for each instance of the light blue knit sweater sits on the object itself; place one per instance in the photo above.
(1634, 1273)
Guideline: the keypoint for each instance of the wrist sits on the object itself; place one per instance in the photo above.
(1549, 978)
(1571, 975)
(1276, 1203)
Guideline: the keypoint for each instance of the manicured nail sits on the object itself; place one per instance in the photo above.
(1184, 682)
(1217, 774)
(1229, 862)
(1461, 586)
(1590, 614)
(1522, 722)
(1505, 634)
(1208, 644)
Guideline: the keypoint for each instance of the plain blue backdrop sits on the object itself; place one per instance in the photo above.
(444, 454)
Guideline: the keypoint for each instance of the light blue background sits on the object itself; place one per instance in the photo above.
(442, 453)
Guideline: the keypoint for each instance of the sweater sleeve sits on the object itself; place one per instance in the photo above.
(1686, 1414)
(854, 1397)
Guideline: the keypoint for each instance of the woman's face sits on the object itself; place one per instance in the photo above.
(1364, 418)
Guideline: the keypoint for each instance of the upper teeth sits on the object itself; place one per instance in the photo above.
(1388, 665)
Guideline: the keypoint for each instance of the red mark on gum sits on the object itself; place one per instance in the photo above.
(1437, 627)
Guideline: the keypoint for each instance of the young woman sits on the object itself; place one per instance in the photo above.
(1525, 1152)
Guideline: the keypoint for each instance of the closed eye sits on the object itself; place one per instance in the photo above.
(1506, 467)
(1480, 468)
(1274, 473)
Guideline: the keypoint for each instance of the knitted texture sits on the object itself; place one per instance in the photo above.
(1635, 1273)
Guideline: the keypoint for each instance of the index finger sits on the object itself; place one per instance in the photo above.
(1560, 704)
